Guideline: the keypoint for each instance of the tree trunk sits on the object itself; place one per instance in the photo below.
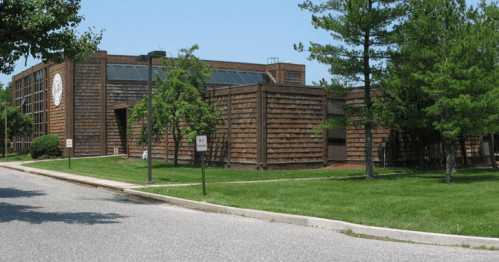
(368, 102)
(450, 159)
(369, 155)
(492, 152)
(462, 142)
(175, 155)
(421, 153)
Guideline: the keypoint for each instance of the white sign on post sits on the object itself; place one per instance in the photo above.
(201, 143)
(69, 142)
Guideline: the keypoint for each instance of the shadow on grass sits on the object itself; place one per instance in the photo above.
(467, 176)
(168, 165)
(29, 214)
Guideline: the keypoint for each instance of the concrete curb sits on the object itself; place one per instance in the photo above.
(397, 234)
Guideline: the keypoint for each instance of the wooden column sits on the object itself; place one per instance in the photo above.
(259, 137)
(229, 127)
(103, 106)
(264, 127)
(324, 132)
(69, 106)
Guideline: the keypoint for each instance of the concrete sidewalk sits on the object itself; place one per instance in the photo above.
(128, 188)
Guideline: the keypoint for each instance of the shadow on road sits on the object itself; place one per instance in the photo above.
(29, 214)
(12, 193)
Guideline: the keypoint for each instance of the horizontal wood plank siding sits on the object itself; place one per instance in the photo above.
(58, 113)
(290, 118)
(87, 120)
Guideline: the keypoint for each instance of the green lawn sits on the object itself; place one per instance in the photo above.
(421, 202)
(135, 171)
(13, 157)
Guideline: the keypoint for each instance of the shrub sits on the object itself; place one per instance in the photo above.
(23, 151)
(45, 145)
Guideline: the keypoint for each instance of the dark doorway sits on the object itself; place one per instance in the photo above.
(121, 138)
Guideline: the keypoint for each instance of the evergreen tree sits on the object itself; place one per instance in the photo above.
(364, 26)
(448, 54)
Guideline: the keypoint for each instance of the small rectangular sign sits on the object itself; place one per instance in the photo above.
(69, 142)
(201, 143)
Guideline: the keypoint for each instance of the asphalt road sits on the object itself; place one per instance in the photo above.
(43, 219)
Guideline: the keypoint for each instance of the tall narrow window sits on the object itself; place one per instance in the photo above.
(38, 104)
(26, 103)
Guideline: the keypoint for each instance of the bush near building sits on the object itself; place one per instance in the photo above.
(46, 146)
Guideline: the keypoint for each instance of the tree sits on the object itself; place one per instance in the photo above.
(17, 123)
(178, 102)
(6, 93)
(450, 54)
(44, 29)
(365, 27)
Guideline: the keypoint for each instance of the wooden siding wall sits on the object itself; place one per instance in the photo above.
(87, 117)
(290, 117)
(356, 140)
(243, 127)
(58, 113)
(118, 93)
(218, 143)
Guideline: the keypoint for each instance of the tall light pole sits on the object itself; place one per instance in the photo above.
(6, 151)
(143, 58)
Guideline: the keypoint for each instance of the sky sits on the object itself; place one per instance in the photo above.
(225, 30)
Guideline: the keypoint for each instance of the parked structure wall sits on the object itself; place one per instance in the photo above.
(267, 125)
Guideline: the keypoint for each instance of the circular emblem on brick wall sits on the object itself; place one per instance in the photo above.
(57, 90)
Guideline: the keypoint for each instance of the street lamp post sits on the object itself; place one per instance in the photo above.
(143, 58)
(6, 151)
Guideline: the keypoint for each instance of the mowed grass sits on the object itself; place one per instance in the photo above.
(135, 171)
(13, 157)
(420, 202)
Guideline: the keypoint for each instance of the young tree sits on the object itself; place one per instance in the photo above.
(450, 57)
(178, 102)
(364, 26)
(6, 92)
(43, 29)
(17, 123)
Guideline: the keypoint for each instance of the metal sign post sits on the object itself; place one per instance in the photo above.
(69, 145)
(202, 146)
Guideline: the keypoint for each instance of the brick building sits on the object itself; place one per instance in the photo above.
(267, 107)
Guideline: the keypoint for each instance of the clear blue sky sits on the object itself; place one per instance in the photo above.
(225, 30)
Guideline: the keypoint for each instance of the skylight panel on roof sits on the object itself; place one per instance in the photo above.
(228, 80)
(239, 80)
(142, 70)
(216, 78)
(246, 77)
(111, 75)
(120, 72)
(132, 72)
(257, 76)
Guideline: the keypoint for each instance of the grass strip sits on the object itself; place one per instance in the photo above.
(14, 157)
(135, 171)
(420, 202)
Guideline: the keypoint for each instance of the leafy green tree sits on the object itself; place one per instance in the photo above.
(44, 29)
(17, 123)
(178, 102)
(449, 56)
(365, 27)
(6, 93)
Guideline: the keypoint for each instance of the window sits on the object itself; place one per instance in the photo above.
(38, 104)
(27, 96)
(18, 90)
